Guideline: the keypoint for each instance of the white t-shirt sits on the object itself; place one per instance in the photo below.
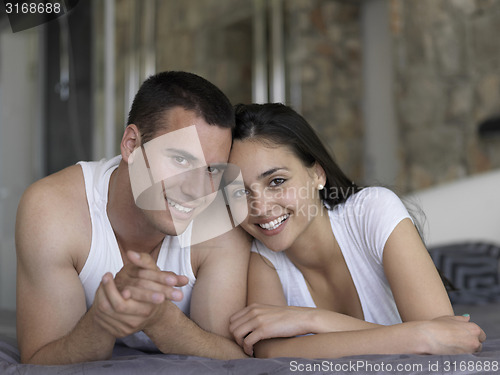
(361, 226)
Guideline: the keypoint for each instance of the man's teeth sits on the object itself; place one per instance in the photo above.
(275, 223)
(178, 207)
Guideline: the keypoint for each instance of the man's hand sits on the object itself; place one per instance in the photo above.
(142, 280)
(138, 296)
(119, 316)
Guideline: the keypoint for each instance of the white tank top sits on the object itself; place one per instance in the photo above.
(105, 256)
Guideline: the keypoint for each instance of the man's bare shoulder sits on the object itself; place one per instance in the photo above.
(234, 244)
(64, 180)
(53, 214)
(61, 192)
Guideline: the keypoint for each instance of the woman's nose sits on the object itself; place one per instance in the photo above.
(259, 204)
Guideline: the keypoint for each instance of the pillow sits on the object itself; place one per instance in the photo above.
(473, 270)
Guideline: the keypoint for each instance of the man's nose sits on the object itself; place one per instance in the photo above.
(197, 183)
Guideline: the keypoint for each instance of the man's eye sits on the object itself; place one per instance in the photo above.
(240, 193)
(277, 182)
(181, 160)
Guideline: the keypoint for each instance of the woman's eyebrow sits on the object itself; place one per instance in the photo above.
(270, 171)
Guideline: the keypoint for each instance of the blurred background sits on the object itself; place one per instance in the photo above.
(406, 93)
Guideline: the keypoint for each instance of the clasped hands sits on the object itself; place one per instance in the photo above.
(138, 297)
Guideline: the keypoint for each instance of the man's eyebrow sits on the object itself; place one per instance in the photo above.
(236, 182)
(221, 166)
(270, 172)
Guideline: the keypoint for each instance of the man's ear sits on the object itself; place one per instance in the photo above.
(130, 141)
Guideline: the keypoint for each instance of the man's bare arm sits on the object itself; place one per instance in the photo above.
(52, 326)
(175, 333)
(221, 266)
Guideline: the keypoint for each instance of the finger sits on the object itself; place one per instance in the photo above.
(163, 277)
(111, 292)
(120, 306)
(236, 325)
(460, 318)
(126, 276)
(237, 315)
(182, 280)
(142, 260)
(126, 294)
(482, 336)
(145, 295)
(241, 332)
(168, 292)
(154, 296)
(172, 279)
(250, 341)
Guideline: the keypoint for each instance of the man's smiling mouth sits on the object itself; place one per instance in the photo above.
(179, 207)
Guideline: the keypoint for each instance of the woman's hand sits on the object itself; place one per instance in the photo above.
(259, 322)
(451, 335)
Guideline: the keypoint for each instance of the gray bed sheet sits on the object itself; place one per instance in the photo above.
(128, 361)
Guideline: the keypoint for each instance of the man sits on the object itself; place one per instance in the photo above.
(97, 264)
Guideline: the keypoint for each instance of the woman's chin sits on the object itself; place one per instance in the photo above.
(274, 244)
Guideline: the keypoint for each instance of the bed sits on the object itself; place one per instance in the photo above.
(465, 247)
(484, 311)
(126, 361)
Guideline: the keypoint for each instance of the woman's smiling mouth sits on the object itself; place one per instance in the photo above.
(273, 224)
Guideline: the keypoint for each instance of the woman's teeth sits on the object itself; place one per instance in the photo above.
(275, 223)
(178, 207)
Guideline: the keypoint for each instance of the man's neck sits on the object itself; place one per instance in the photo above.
(131, 228)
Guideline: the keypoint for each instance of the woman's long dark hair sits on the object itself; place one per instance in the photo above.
(278, 124)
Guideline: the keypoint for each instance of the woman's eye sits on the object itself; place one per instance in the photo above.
(213, 170)
(277, 182)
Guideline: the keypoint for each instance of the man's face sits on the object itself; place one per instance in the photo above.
(177, 174)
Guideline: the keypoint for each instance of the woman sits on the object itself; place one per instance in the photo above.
(330, 259)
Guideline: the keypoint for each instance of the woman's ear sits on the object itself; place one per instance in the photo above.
(130, 141)
(319, 175)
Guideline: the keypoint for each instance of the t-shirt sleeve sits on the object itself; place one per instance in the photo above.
(379, 211)
(262, 250)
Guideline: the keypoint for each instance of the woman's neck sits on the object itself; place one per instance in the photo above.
(315, 248)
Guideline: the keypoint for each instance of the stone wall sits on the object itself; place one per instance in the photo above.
(324, 64)
(446, 77)
(211, 38)
(447, 81)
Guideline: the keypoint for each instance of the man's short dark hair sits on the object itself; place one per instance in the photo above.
(170, 89)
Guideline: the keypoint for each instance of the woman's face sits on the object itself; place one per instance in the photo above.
(281, 193)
